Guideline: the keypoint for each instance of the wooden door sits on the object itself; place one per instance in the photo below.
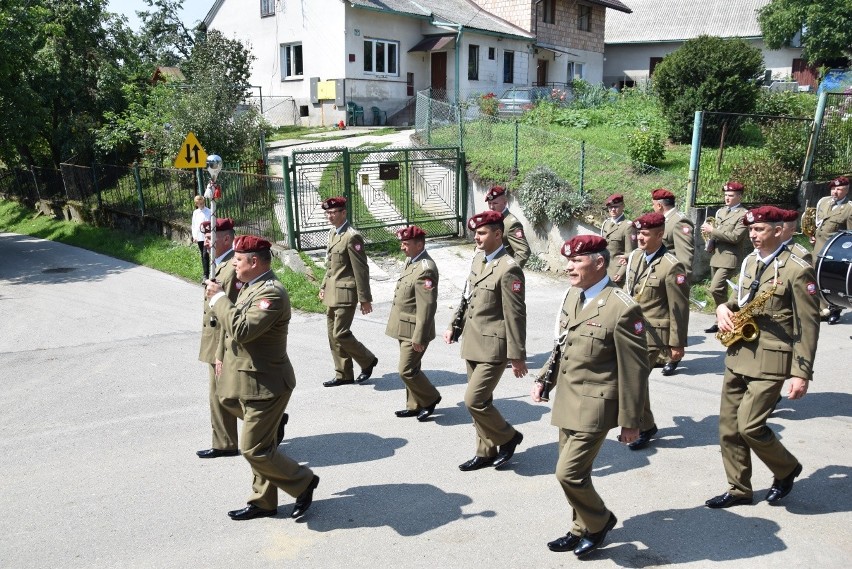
(439, 73)
(541, 72)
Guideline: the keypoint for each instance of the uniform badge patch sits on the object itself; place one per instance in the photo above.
(428, 284)
(633, 237)
(239, 284)
(517, 286)
(680, 278)
(638, 327)
(519, 234)
(812, 288)
(357, 246)
(264, 304)
(686, 229)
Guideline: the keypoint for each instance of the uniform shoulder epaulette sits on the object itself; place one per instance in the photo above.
(424, 264)
(624, 297)
(510, 260)
(670, 258)
(801, 262)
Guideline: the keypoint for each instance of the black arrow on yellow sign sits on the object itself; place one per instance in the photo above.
(194, 155)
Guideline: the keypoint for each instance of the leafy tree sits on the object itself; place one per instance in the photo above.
(164, 37)
(707, 74)
(826, 34)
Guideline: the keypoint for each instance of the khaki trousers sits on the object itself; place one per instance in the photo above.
(418, 389)
(344, 346)
(224, 413)
(718, 288)
(492, 429)
(577, 453)
(647, 421)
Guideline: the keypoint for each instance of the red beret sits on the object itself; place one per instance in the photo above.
(733, 187)
(494, 192)
(764, 213)
(412, 232)
(649, 221)
(250, 244)
(840, 181)
(790, 214)
(662, 194)
(614, 199)
(485, 218)
(222, 224)
(334, 203)
(583, 245)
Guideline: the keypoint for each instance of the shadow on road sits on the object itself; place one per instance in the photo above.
(342, 448)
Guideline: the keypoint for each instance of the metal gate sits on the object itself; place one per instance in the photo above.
(385, 189)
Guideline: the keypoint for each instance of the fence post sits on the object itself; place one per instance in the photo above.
(582, 166)
(288, 203)
(461, 172)
(347, 188)
(35, 182)
(812, 143)
(694, 159)
(429, 119)
(515, 167)
(139, 189)
(95, 184)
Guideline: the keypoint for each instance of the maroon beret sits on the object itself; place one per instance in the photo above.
(662, 194)
(649, 221)
(334, 203)
(733, 187)
(250, 244)
(485, 218)
(764, 213)
(790, 214)
(583, 245)
(494, 192)
(412, 232)
(614, 199)
(839, 181)
(222, 224)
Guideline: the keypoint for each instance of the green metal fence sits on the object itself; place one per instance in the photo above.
(833, 150)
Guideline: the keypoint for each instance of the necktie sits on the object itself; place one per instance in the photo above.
(582, 301)
(755, 284)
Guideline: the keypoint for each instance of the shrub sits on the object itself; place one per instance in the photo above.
(787, 142)
(645, 146)
(766, 181)
(488, 104)
(544, 196)
(786, 103)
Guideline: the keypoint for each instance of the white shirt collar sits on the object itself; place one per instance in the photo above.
(489, 258)
(222, 256)
(595, 290)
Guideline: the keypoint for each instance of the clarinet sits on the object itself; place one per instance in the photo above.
(549, 371)
(458, 321)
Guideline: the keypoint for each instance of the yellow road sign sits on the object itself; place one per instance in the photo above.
(191, 154)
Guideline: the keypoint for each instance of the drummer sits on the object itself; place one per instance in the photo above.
(833, 213)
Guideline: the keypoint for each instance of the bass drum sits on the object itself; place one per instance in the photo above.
(834, 270)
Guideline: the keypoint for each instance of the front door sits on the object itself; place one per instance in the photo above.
(439, 74)
(541, 72)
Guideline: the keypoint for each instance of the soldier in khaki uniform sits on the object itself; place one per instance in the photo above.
(224, 403)
(657, 281)
(833, 213)
(346, 283)
(256, 357)
(514, 239)
(494, 333)
(779, 291)
(791, 220)
(600, 384)
(412, 322)
(727, 244)
(620, 237)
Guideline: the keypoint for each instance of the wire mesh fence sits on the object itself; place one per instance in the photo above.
(833, 151)
(278, 110)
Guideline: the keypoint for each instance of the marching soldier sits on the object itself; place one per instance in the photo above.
(657, 281)
(833, 213)
(601, 383)
(346, 283)
(726, 243)
(778, 291)
(412, 322)
(791, 219)
(494, 333)
(513, 232)
(620, 237)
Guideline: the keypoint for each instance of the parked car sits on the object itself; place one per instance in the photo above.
(517, 100)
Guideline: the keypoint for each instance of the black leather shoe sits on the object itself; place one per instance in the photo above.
(476, 463)
(251, 512)
(644, 439)
(726, 501)
(279, 435)
(427, 411)
(670, 368)
(592, 541)
(508, 449)
(834, 316)
(305, 499)
(367, 371)
(781, 488)
(216, 453)
(712, 329)
(407, 413)
(564, 543)
(337, 381)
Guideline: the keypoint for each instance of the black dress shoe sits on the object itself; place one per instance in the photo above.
(476, 463)
(834, 316)
(592, 541)
(279, 435)
(216, 453)
(712, 329)
(508, 449)
(726, 501)
(781, 488)
(564, 543)
(305, 499)
(427, 411)
(670, 368)
(337, 381)
(367, 371)
(250, 512)
(407, 413)
(644, 439)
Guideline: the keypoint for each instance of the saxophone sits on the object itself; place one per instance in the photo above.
(709, 242)
(745, 328)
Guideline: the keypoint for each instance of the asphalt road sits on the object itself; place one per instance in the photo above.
(104, 405)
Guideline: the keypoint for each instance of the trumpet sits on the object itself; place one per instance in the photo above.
(709, 242)
(809, 224)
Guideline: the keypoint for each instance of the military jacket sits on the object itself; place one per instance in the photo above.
(415, 301)
(800, 251)
(495, 321)
(730, 238)
(603, 367)
(212, 337)
(620, 240)
(514, 239)
(788, 322)
(256, 339)
(678, 238)
(662, 290)
(347, 276)
(830, 221)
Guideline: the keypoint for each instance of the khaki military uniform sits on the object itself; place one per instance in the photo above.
(830, 219)
(620, 240)
(755, 371)
(662, 290)
(346, 283)
(729, 241)
(256, 356)
(679, 238)
(494, 332)
(224, 403)
(514, 239)
(412, 321)
(800, 251)
(601, 384)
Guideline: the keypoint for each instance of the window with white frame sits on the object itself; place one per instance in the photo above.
(381, 57)
(584, 18)
(473, 62)
(291, 61)
(576, 70)
(508, 66)
(267, 8)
